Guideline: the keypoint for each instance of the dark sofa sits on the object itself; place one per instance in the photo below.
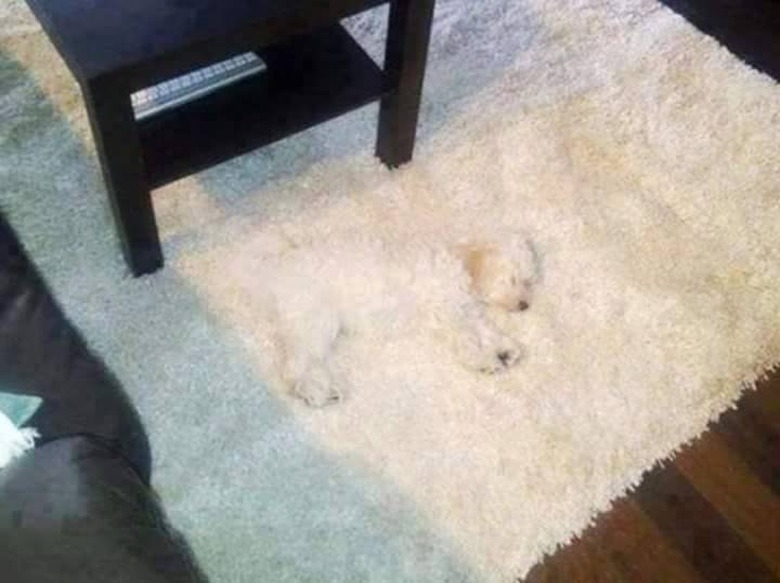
(78, 508)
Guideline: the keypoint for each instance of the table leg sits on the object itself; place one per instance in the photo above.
(408, 36)
(114, 130)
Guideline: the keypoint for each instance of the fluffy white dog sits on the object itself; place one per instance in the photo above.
(317, 301)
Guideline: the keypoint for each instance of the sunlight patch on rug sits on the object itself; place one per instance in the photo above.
(654, 202)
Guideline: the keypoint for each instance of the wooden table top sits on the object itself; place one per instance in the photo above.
(100, 37)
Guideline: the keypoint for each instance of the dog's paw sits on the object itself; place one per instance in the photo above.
(501, 360)
(489, 353)
(318, 390)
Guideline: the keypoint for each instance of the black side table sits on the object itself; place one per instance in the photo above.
(315, 72)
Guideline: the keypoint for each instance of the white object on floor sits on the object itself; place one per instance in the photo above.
(14, 442)
(179, 90)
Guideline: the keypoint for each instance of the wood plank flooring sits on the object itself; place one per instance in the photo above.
(711, 515)
(748, 28)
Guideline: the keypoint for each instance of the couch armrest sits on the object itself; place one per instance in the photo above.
(42, 354)
(73, 510)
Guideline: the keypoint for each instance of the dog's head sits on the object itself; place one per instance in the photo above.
(502, 274)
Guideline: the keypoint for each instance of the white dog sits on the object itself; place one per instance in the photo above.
(317, 300)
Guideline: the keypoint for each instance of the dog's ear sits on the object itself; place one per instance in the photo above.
(473, 257)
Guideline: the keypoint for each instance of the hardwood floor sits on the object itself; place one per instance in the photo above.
(748, 28)
(713, 514)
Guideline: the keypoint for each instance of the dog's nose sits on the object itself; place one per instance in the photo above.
(504, 357)
(522, 306)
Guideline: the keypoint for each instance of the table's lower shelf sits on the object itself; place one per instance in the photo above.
(310, 79)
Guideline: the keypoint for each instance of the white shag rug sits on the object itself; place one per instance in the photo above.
(643, 159)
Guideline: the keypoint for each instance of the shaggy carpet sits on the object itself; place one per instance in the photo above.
(641, 157)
